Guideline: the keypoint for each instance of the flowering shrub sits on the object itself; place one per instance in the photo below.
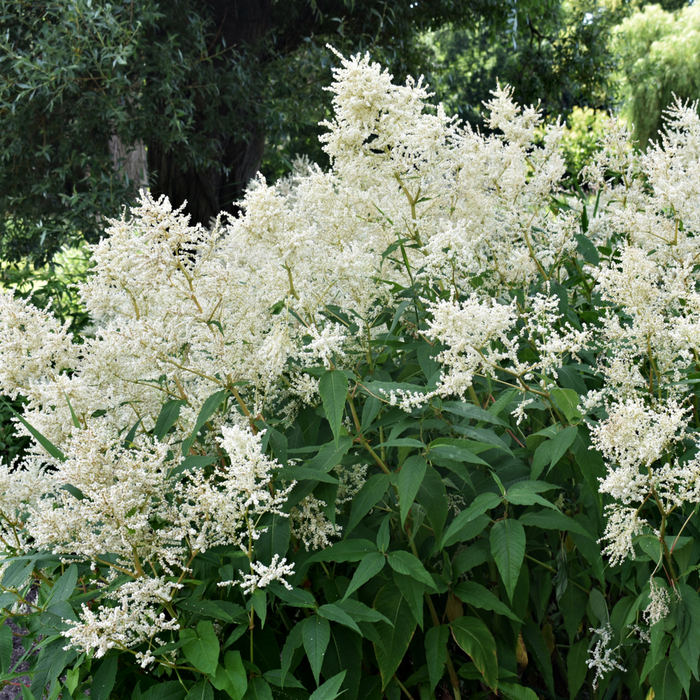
(419, 424)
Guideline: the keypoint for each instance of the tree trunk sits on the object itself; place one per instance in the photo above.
(242, 23)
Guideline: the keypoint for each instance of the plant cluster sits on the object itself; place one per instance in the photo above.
(418, 424)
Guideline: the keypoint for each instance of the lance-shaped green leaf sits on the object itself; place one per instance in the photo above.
(482, 503)
(567, 400)
(508, 549)
(333, 387)
(475, 639)
(395, 637)
(367, 497)
(336, 614)
(406, 563)
(369, 567)
(104, 678)
(294, 641)
(553, 520)
(330, 690)
(43, 441)
(481, 597)
(513, 691)
(208, 408)
(436, 652)
(315, 635)
(410, 479)
(167, 417)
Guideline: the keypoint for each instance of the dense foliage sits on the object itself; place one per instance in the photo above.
(421, 423)
(658, 53)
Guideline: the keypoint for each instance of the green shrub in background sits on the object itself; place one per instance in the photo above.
(585, 128)
(420, 425)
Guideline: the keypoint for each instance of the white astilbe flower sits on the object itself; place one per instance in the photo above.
(310, 524)
(602, 658)
(264, 574)
(622, 526)
(634, 436)
(137, 617)
(480, 338)
(468, 330)
(659, 598)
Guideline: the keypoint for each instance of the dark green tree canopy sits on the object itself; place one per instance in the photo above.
(197, 96)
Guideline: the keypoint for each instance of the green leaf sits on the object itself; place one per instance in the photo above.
(44, 442)
(538, 648)
(508, 548)
(208, 409)
(526, 493)
(367, 497)
(516, 692)
(561, 442)
(369, 567)
(274, 677)
(293, 642)
(432, 496)
(214, 609)
(201, 647)
(436, 652)
(5, 648)
(586, 248)
(403, 442)
(258, 689)
(577, 667)
(333, 387)
(475, 639)
(329, 455)
(360, 612)
(481, 597)
(103, 679)
(599, 606)
(200, 691)
(165, 690)
(396, 636)
(410, 480)
(315, 635)
(455, 449)
(298, 597)
(167, 418)
(65, 586)
(298, 472)
(664, 681)
(469, 410)
(406, 563)
(74, 418)
(482, 503)
(553, 520)
(690, 647)
(329, 690)
(336, 614)
(231, 677)
(567, 400)
(193, 462)
(279, 445)
(345, 550)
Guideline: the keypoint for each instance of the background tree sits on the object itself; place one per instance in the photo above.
(204, 86)
(659, 58)
(555, 54)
